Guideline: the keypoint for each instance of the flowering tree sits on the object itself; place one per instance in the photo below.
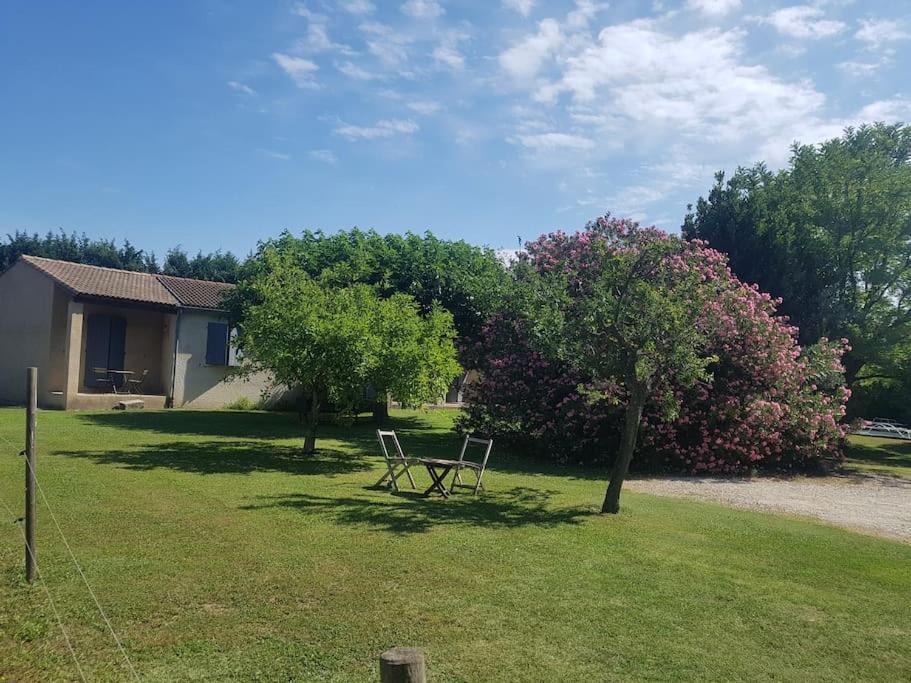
(763, 402)
(633, 320)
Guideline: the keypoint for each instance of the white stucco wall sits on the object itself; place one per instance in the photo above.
(198, 385)
(26, 315)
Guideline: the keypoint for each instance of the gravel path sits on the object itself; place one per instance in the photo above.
(876, 505)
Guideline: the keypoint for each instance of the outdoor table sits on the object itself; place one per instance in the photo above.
(438, 469)
(120, 377)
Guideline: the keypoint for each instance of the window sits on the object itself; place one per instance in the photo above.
(217, 344)
(220, 345)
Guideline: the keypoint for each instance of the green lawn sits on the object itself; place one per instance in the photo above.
(873, 455)
(221, 554)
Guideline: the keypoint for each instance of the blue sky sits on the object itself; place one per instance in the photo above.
(214, 123)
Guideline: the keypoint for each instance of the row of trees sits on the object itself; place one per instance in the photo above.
(218, 266)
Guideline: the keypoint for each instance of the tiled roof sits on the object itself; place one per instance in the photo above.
(196, 293)
(110, 283)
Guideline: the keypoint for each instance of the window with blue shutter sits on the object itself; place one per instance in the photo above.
(217, 344)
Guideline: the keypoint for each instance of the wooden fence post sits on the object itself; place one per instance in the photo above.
(31, 552)
(402, 665)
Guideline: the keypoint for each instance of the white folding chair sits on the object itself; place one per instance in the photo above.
(396, 463)
(474, 466)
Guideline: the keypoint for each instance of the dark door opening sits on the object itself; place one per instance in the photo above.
(105, 343)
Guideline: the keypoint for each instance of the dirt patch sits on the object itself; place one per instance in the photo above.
(878, 505)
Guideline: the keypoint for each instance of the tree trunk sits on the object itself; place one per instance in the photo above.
(627, 447)
(853, 366)
(381, 412)
(312, 420)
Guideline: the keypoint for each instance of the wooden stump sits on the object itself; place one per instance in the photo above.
(402, 665)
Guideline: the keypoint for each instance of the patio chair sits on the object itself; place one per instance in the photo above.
(396, 462)
(476, 467)
(101, 378)
(134, 386)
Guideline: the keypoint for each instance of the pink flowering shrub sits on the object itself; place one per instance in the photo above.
(769, 404)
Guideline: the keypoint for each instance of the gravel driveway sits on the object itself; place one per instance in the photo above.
(871, 504)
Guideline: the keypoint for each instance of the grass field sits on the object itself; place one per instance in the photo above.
(874, 455)
(219, 553)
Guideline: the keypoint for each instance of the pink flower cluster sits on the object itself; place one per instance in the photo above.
(769, 404)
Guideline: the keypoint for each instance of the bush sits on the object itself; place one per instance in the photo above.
(769, 403)
(244, 403)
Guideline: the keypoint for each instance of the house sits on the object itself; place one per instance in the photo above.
(77, 323)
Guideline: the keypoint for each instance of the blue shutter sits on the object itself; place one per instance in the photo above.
(217, 344)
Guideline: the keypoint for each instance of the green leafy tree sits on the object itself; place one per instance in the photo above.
(831, 236)
(331, 343)
(467, 280)
(633, 320)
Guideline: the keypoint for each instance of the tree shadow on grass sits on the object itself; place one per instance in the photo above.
(889, 453)
(239, 424)
(412, 513)
(418, 436)
(228, 457)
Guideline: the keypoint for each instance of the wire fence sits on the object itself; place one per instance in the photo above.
(79, 569)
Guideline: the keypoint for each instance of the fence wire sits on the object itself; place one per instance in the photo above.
(85, 580)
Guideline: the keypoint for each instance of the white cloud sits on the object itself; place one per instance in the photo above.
(555, 141)
(523, 7)
(524, 60)
(356, 72)
(241, 88)
(449, 55)
(389, 46)
(359, 7)
(317, 40)
(317, 37)
(326, 156)
(803, 21)
(859, 69)
(424, 107)
(275, 155)
(423, 9)
(585, 11)
(713, 7)
(693, 84)
(382, 129)
(890, 111)
(299, 69)
(877, 33)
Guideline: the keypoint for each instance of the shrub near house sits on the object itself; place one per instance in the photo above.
(768, 403)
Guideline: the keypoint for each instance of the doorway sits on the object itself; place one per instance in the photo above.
(105, 343)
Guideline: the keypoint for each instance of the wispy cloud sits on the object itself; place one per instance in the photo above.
(237, 86)
(526, 57)
(300, 70)
(523, 7)
(423, 9)
(803, 21)
(274, 155)
(713, 7)
(878, 33)
(555, 141)
(382, 129)
(356, 72)
(358, 7)
(385, 43)
(448, 52)
(326, 156)
(424, 107)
